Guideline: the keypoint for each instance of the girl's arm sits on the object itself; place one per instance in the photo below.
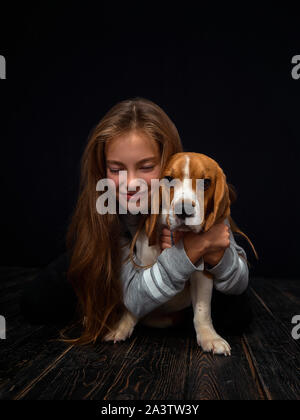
(227, 263)
(146, 289)
(231, 273)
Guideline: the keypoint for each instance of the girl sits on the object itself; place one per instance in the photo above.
(94, 280)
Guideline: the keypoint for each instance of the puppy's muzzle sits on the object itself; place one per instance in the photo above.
(184, 208)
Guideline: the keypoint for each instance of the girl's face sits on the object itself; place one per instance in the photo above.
(137, 154)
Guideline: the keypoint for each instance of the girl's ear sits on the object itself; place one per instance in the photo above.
(221, 202)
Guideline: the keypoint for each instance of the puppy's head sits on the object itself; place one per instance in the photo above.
(184, 207)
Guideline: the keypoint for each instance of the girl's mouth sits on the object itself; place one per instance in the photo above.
(136, 195)
(128, 195)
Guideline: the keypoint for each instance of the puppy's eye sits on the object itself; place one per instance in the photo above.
(169, 178)
(207, 182)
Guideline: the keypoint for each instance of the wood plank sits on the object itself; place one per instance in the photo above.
(155, 369)
(216, 377)
(289, 286)
(30, 359)
(20, 353)
(155, 364)
(285, 291)
(281, 298)
(150, 365)
(274, 353)
(23, 343)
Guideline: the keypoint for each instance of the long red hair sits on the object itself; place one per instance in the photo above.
(93, 239)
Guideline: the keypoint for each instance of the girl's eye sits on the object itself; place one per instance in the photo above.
(114, 171)
(147, 167)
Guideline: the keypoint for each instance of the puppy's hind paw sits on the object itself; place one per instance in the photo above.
(118, 335)
(122, 330)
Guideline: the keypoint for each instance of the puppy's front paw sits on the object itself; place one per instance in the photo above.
(210, 341)
(122, 330)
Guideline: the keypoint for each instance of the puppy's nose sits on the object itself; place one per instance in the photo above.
(184, 209)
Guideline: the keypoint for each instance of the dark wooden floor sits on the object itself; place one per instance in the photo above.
(154, 364)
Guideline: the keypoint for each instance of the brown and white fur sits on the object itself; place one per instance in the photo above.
(198, 289)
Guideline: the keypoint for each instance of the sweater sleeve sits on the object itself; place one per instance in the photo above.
(231, 274)
(146, 289)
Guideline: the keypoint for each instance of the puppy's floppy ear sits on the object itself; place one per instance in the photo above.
(151, 221)
(221, 202)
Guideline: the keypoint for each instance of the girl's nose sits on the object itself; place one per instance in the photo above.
(132, 180)
(131, 176)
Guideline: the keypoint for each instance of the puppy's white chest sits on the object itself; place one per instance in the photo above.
(145, 253)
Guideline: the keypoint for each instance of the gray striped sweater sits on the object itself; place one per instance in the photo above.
(146, 289)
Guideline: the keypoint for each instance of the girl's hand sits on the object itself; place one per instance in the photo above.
(214, 242)
(165, 238)
(218, 238)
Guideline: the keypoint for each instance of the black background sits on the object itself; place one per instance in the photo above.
(223, 77)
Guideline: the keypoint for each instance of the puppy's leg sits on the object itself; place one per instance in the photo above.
(207, 338)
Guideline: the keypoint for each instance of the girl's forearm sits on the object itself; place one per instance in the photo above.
(194, 249)
(213, 258)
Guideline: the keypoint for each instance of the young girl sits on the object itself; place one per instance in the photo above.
(94, 281)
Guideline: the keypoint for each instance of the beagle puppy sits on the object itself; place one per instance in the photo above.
(198, 289)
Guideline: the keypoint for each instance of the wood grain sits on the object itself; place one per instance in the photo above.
(154, 364)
